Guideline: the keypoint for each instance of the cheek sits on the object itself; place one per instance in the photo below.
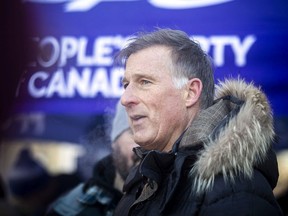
(170, 112)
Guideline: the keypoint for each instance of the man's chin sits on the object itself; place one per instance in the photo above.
(138, 139)
(145, 145)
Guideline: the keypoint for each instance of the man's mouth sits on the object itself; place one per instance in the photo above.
(136, 117)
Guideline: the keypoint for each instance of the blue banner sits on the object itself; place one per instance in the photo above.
(74, 43)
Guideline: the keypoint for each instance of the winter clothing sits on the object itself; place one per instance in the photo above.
(120, 122)
(96, 197)
(223, 164)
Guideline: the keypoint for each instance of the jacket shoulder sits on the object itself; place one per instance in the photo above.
(243, 196)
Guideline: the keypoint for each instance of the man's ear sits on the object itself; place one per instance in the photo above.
(193, 91)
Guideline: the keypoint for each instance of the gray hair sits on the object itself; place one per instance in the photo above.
(188, 59)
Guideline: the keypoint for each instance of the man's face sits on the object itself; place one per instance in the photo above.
(156, 109)
(124, 157)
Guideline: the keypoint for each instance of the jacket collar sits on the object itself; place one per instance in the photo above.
(237, 143)
(156, 166)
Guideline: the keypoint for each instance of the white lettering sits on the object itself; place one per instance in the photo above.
(68, 84)
(57, 85)
(103, 50)
(82, 58)
(203, 41)
(100, 52)
(215, 45)
(69, 46)
(91, 81)
(78, 82)
(33, 90)
(55, 51)
(116, 78)
(218, 52)
(242, 50)
(176, 4)
(100, 83)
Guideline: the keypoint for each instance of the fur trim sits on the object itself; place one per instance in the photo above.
(242, 144)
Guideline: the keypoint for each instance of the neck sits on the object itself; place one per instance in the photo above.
(188, 119)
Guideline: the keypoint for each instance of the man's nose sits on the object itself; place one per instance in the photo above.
(129, 96)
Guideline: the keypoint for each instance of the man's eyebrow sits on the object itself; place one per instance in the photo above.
(137, 76)
(141, 75)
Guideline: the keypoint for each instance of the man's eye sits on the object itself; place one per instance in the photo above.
(125, 85)
(145, 82)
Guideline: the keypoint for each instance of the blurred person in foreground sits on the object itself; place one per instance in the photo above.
(201, 153)
(100, 194)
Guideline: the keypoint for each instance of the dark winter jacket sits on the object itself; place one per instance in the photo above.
(223, 164)
(96, 197)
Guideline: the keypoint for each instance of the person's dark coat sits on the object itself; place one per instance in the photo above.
(223, 164)
(96, 197)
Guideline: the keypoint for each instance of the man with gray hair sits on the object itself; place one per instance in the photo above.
(201, 154)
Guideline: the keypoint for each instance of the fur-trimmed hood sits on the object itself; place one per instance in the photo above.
(240, 128)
